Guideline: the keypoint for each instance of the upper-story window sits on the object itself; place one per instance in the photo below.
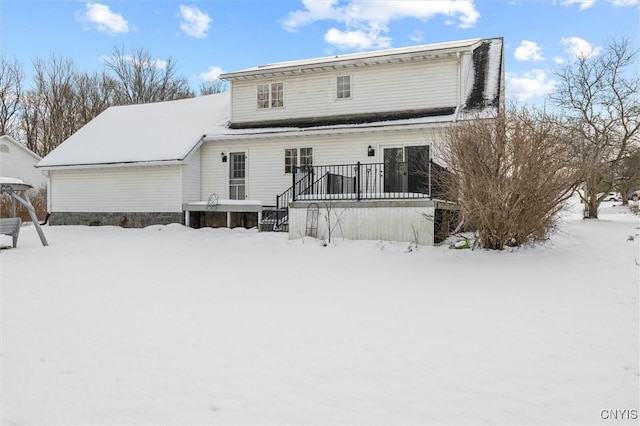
(271, 95)
(343, 87)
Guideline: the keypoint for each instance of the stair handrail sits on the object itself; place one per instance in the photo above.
(292, 187)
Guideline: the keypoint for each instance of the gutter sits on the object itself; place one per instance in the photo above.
(113, 164)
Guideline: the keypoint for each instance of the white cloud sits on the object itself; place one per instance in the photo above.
(586, 4)
(528, 51)
(579, 48)
(559, 60)
(366, 23)
(583, 4)
(355, 39)
(531, 84)
(194, 23)
(160, 63)
(211, 75)
(103, 18)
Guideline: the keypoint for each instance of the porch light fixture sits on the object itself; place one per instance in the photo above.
(224, 157)
(371, 152)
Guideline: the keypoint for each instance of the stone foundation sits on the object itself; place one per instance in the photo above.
(124, 219)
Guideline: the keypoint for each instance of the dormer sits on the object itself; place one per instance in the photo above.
(392, 84)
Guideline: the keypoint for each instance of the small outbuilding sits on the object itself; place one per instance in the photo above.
(18, 161)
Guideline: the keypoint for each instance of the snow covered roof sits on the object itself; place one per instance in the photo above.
(14, 183)
(485, 85)
(4, 180)
(169, 131)
(378, 56)
(154, 132)
(13, 142)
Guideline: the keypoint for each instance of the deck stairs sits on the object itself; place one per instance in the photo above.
(275, 220)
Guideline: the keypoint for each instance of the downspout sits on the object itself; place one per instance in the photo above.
(49, 196)
(47, 173)
(459, 96)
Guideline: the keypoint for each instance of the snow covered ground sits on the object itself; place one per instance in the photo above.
(170, 325)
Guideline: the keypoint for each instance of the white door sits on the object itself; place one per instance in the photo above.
(237, 175)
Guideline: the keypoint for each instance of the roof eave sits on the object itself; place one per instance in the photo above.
(111, 164)
(334, 130)
(390, 56)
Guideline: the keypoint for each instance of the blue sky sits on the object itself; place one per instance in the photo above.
(207, 37)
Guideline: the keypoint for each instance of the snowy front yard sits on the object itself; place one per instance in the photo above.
(170, 325)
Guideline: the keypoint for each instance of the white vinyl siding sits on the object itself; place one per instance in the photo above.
(370, 223)
(117, 189)
(266, 175)
(191, 178)
(380, 89)
(18, 163)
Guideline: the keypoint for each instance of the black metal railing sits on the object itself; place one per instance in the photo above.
(282, 200)
(363, 181)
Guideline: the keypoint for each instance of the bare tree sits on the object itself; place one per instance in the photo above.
(627, 174)
(141, 79)
(213, 86)
(511, 175)
(50, 111)
(61, 99)
(94, 93)
(600, 99)
(11, 77)
(32, 115)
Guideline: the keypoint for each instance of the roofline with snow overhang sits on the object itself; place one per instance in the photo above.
(354, 60)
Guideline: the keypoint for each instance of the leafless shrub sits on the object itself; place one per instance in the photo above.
(38, 198)
(332, 218)
(510, 174)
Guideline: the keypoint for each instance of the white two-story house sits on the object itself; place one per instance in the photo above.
(349, 135)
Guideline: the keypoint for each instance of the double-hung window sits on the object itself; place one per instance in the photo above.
(302, 157)
(271, 95)
(343, 87)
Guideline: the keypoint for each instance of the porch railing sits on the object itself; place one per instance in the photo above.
(363, 181)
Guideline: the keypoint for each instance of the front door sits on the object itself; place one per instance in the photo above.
(237, 176)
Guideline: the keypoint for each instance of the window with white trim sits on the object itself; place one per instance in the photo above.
(302, 157)
(343, 87)
(270, 95)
